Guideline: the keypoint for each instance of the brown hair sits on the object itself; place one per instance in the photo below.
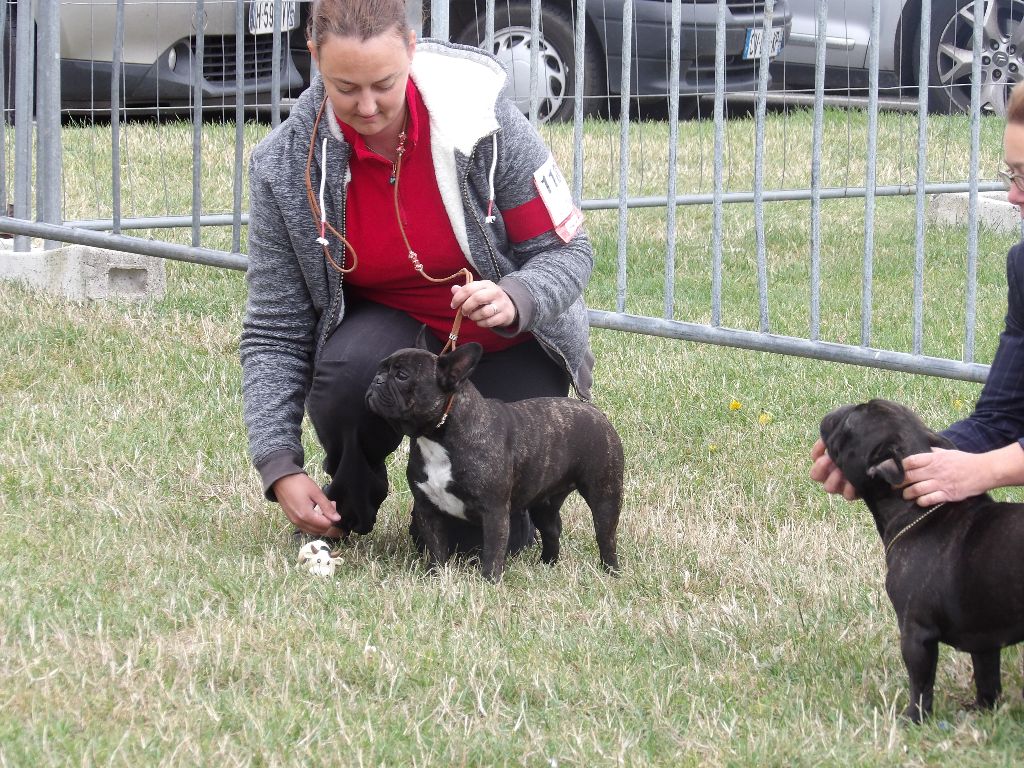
(1015, 105)
(361, 19)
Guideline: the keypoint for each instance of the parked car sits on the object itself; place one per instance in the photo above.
(160, 51)
(602, 59)
(950, 49)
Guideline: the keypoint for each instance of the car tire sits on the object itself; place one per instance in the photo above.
(952, 36)
(558, 76)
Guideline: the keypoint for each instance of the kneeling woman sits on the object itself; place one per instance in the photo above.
(400, 173)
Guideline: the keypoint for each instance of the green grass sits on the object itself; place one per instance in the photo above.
(151, 612)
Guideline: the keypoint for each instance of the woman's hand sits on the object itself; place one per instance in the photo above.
(484, 303)
(824, 471)
(945, 475)
(306, 506)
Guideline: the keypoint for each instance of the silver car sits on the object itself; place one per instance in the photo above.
(160, 51)
(950, 49)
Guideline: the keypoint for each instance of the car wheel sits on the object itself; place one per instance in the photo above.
(952, 54)
(512, 47)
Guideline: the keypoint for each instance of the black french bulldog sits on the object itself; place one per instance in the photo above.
(478, 459)
(955, 572)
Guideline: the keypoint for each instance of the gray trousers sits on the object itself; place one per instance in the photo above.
(357, 442)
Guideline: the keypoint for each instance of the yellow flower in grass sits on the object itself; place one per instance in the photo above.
(958, 404)
(735, 405)
(712, 447)
(764, 419)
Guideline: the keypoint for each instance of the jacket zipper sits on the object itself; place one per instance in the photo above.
(468, 205)
(335, 306)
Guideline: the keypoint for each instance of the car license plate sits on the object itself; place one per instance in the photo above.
(756, 41)
(261, 16)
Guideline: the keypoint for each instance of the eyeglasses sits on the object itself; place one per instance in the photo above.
(1009, 177)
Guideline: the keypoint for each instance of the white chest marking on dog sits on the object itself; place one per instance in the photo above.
(438, 468)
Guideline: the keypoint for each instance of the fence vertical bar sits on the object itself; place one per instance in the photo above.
(673, 149)
(577, 110)
(24, 87)
(4, 107)
(922, 172)
(197, 122)
(534, 62)
(489, 26)
(719, 184)
(821, 18)
(439, 19)
(972, 195)
(48, 146)
(115, 118)
(236, 202)
(760, 115)
(627, 65)
(275, 67)
(871, 177)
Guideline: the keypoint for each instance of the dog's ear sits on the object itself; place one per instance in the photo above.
(421, 338)
(454, 367)
(890, 470)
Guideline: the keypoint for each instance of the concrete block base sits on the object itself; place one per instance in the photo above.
(994, 211)
(83, 273)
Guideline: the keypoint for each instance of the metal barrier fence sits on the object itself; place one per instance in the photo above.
(37, 92)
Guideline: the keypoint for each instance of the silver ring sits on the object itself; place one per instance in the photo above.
(494, 309)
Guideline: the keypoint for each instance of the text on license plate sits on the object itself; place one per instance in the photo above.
(756, 41)
(261, 16)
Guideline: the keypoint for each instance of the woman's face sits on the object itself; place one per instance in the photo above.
(365, 79)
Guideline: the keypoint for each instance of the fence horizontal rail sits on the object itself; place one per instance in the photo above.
(786, 195)
(187, 253)
(790, 345)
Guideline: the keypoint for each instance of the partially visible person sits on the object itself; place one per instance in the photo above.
(990, 442)
(399, 172)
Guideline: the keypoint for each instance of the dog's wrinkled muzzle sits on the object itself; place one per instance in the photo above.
(380, 399)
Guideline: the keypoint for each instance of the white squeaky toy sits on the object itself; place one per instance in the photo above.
(315, 557)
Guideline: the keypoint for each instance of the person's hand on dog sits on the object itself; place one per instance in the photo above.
(824, 471)
(484, 303)
(306, 506)
(947, 475)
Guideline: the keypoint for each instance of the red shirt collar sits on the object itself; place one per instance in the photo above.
(412, 129)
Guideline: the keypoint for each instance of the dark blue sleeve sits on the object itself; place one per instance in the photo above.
(998, 417)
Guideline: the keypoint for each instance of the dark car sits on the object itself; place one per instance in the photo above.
(745, 35)
(602, 59)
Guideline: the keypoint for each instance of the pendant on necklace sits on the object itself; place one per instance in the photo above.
(394, 174)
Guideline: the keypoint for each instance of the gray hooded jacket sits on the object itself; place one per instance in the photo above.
(295, 297)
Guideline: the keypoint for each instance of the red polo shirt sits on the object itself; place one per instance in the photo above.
(384, 273)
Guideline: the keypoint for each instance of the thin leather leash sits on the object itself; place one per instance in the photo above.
(324, 225)
(896, 538)
(414, 258)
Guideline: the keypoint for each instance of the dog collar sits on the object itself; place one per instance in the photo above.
(896, 538)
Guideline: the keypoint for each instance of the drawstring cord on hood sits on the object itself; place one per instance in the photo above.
(323, 183)
(319, 211)
(490, 180)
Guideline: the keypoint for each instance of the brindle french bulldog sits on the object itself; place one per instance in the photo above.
(478, 459)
